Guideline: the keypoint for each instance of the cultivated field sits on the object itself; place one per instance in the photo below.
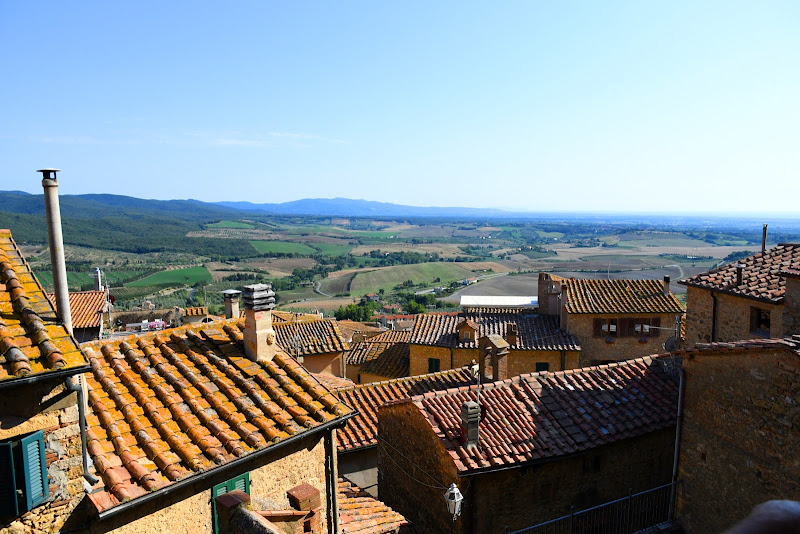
(178, 277)
(284, 247)
(387, 278)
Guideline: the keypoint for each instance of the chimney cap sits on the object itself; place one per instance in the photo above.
(49, 170)
(259, 297)
(230, 293)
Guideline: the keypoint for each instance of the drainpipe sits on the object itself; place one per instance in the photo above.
(53, 211)
(678, 424)
(75, 385)
(332, 481)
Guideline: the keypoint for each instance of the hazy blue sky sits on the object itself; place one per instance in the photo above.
(554, 106)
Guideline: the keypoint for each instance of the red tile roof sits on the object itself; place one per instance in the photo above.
(170, 404)
(195, 311)
(362, 430)
(789, 343)
(86, 308)
(391, 362)
(762, 277)
(535, 332)
(359, 513)
(333, 383)
(310, 336)
(348, 328)
(364, 351)
(32, 341)
(544, 415)
(618, 296)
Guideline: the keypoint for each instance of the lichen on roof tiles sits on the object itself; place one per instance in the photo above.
(169, 404)
(762, 274)
(32, 340)
(307, 337)
(359, 513)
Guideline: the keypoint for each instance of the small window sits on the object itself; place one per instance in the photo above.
(434, 364)
(466, 335)
(23, 475)
(605, 328)
(542, 366)
(242, 482)
(759, 322)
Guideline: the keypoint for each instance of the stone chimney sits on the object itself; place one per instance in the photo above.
(548, 291)
(666, 284)
(59, 266)
(259, 337)
(495, 349)
(231, 297)
(511, 333)
(739, 274)
(470, 424)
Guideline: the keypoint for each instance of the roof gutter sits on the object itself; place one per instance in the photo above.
(48, 375)
(230, 466)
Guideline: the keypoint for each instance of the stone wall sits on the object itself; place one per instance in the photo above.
(598, 349)
(741, 434)
(519, 361)
(49, 407)
(732, 317)
(330, 364)
(361, 468)
(518, 497)
(546, 491)
(189, 510)
(790, 323)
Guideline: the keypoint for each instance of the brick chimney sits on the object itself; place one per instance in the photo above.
(57, 261)
(259, 337)
(470, 423)
(231, 297)
(666, 284)
(494, 348)
(511, 333)
(739, 274)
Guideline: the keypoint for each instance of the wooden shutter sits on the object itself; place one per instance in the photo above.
(627, 327)
(655, 325)
(35, 469)
(598, 327)
(216, 491)
(241, 483)
(8, 487)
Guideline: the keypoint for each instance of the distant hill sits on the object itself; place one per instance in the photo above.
(345, 207)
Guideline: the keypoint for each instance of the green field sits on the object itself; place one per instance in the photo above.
(231, 224)
(333, 249)
(284, 247)
(339, 285)
(549, 235)
(389, 277)
(177, 277)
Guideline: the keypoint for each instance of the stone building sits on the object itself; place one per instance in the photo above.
(87, 309)
(40, 425)
(741, 430)
(381, 357)
(358, 440)
(613, 320)
(757, 297)
(317, 343)
(536, 343)
(530, 447)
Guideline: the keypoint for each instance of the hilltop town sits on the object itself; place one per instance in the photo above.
(393, 376)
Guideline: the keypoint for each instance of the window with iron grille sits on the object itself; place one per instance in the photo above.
(23, 475)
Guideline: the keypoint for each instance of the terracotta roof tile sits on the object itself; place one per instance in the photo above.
(32, 341)
(348, 328)
(543, 415)
(333, 383)
(392, 362)
(86, 307)
(364, 351)
(169, 404)
(359, 513)
(762, 275)
(619, 296)
(310, 336)
(195, 311)
(535, 332)
(361, 430)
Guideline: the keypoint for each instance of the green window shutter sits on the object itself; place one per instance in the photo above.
(35, 469)
(433, 365)
(242, 482)
(8, 487)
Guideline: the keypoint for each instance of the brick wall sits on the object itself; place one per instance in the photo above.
(517, 497)
(732, 318)
(330, 364)
(595, 349)
(741, 435)
(49, 407)
(418, 358)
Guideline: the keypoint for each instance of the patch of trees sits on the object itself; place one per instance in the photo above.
(362, 311)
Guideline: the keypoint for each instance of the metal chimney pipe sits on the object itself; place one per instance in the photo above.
(764, 239)
(739, 274)
(666, 284)
(50, 185)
